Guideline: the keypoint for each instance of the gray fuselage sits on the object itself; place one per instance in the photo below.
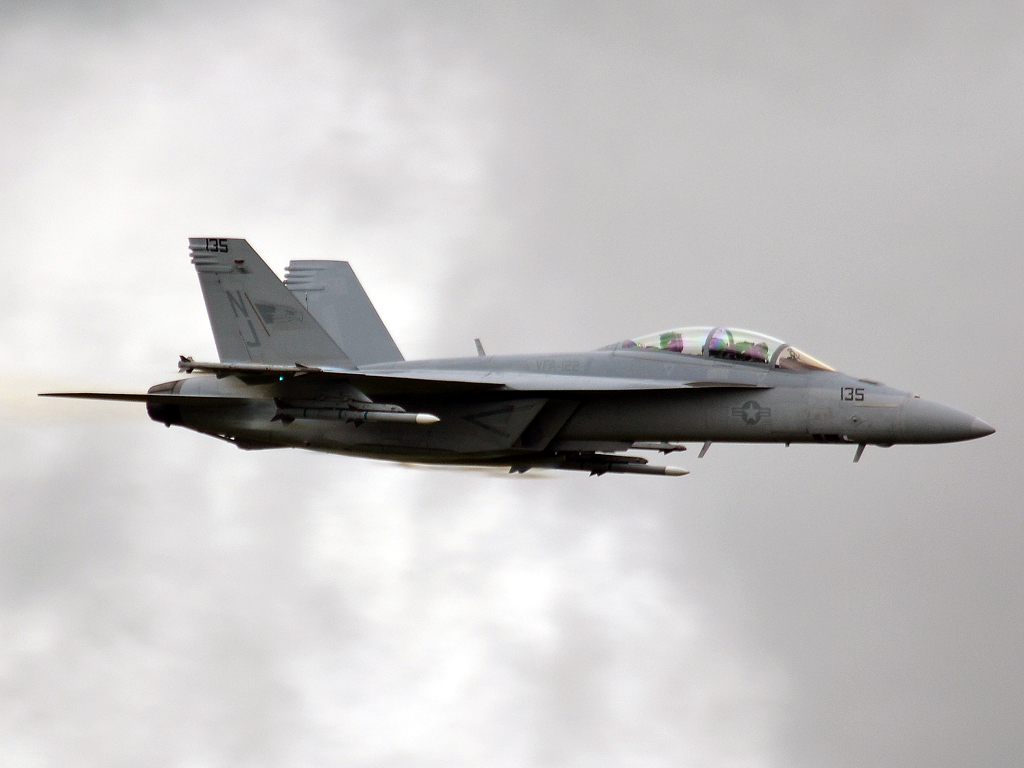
(724, 401)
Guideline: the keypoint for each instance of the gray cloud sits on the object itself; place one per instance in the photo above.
(549, 177)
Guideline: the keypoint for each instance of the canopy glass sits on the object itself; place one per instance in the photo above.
(729, 344)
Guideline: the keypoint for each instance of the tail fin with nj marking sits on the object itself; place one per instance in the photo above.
(333, 294)
(254, 317)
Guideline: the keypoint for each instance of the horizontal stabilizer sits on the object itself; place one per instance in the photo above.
(132, 397)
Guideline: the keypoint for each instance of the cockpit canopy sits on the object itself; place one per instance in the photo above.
(729, 344)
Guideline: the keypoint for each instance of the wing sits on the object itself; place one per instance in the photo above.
(484, 380)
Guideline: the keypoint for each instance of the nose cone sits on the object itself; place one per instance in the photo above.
(924, 421)
(980, 429)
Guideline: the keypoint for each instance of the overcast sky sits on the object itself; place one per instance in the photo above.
(549, 176)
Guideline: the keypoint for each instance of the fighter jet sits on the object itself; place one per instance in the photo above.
(307, 363)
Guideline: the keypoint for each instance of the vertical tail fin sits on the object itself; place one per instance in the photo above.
(333, 295)
(253, 316)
